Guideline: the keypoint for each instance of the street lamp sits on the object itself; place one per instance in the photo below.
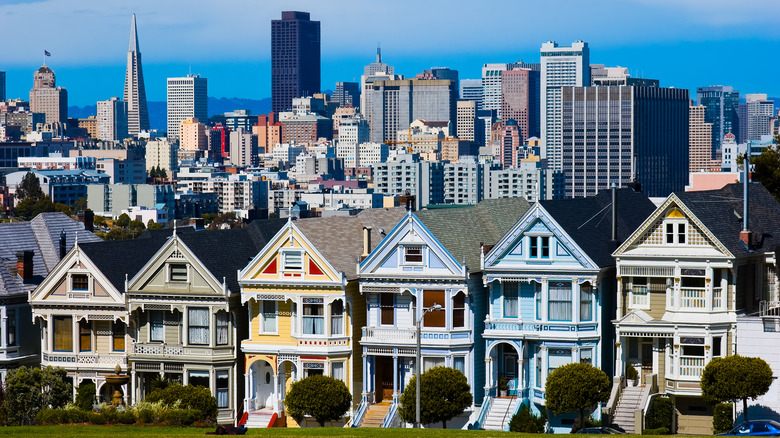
(434, 308)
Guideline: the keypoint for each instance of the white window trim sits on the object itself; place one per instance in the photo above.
(675, 232)
(70, 281)
(284, 253)
(261, 318)
(169, 272)
(149, 323)
(646, 304)
(423, 253)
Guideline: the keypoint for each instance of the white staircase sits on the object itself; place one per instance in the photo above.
(259, 418)
(631, 399)
(499, 414)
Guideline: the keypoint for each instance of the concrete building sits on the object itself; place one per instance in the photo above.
(342, 114)
(286, 152)
(192, 135)
(163, 154)
(721, 108)
(88, 124)
(347, 93)
(61, 185)
(306, 128)
(491, 86)
(621, 134)
(269, 131)
(465, 181)
(112, 120)
(760, 111)
(353, 131)
(376, 71)
(21, 122)
(520, 100)
(699, 140)
(406, 175)
(238, 193)
(187, 97)
(530, 180)
(561, 67)
(510, 143)
(135, 92)
(11, 151)
(243, 148)
(295, 59)
(55, 161)
(48, 99)
(471, 89)
(111, 199)
(615, 76)
(484, 125)
(466, 127)
(396, 104)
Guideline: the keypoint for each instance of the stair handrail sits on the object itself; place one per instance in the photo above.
(651, 391)
(511, 399)
(355, 420)
(614, 398)
(390, 416)
(483, 410)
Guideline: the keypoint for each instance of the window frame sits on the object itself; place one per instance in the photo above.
(222, 375)
(586, 290)
(82, 279)
(85, 334)
(118, 338)
(458, 311)
(11, 328)
(633, 301)
(551, 301)
(264, 319)
(222, 323)
(337, 320)
(174, 274)
(313, 317)
(675, 231)
(190, 326)
(407, 253)
(288, 260)
(152, 324)
(384, 297)
(67, 341)
(508, 299)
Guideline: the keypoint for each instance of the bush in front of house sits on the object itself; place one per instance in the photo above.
(524, 421)
(659, 415)
(722, 417)
(188, 397)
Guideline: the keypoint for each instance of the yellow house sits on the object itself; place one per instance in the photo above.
(305, 310)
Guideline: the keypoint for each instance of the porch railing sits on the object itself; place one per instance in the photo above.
(769, 309)
(390, 334)
(483, 410)
(358, 417)
(98, 359)
(693, 297)
(691, 366)
(717, 298)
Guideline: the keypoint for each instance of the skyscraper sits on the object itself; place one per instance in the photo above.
(561, 67)
(2, 85)
(187, 97)
(721, 106)
(699, 140)
(376, 71)
(471, 89)
(135, 93)
(47, 98)
(111, 119)
(295, 59)
(759, 112)
(520, 100)
(347, 93)
(491, 86)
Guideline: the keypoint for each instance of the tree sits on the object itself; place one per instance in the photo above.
(321, 397)
(85, 396)
(29, 188)
(79, 204)
(31, 207)
(100, 221)
(525, 421)
(732, 378)
(28, 390)
(767, 168)
(123, 220)
(152, 225)
(444, 394)
(576, 387)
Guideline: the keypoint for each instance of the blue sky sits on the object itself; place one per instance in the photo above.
(684, 43)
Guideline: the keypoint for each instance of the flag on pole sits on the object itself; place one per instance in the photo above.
(46, 52)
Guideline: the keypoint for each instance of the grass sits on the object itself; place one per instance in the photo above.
(83, 431)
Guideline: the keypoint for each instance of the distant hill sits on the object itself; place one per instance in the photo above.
(158, 110)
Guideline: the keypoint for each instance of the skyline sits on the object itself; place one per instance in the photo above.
(674, 42)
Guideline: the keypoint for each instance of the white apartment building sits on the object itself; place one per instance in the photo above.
(55, 160)
(759, 112)
(162, 153)
(238, 193)
(467, 120)
(286, 152)
(243, 148)
(561, 67)
(112, 120)
(187, 97)
(352, 132)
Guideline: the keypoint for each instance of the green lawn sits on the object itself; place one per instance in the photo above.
(66, 431)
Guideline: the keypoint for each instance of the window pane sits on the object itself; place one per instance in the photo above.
(669, 233)
(313, 319)
(199, 378)
(559, 304)
(586, 356)
(223, 389)
(85, 336)
(293, 260)
(223, 327)
(586, 303)
(430, 362)
(538, 295)
(434, 318)
(269, 316)
(156, 326)
(387, 306)
(680, 233)
(198, 321)
(510, 300)
(459, 310)
(459, 363)
(118, 335)
(80, 282)
(63, 333)
(178, 272)
(337, 370)
(534, 246)
(10, 327)
(545, 247)
(413, 254)
(337, 318)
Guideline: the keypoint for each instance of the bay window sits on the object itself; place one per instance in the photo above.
(586, 302)
(223, 327)
(10, 327)
(434, 318)
(198, 325)
(313, 316)
(559, 301)
(156, 326)
(268, 316)
(118, 336)
(62, 328)
(459, 310)
(337, 318)
(510, 300)
(223, 389)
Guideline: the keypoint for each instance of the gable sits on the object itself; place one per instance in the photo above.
(76, 280)
(290, 256)
(411, 249)
(174, 269)
(673, 229)
(536, 239)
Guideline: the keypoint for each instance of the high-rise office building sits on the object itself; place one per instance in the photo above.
(396, 104)
(760, 111)
(187, 97)
(47, 98)
(467, 120)
(699, 140)
(491, 86)
(617, 134)
(601, 75)
(295, 59)
(442, 73)
(471, 89)
(511, 141)
(2, 85)
(135, 93)
(376, 71)
(561, 67)
(721, 108)
(520, 100)
(347, 93)
(112, 120)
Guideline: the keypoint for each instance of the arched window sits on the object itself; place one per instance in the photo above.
(459, 310)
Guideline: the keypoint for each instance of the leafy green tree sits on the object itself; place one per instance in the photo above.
(119, 234)
(722, 418)
(29, 187)
(28, 390)
(100, 221)
(444, 394)
(123, 220)
(321, 397)
(660, 414)
(576, 387)
(152, 225)
(228, 218)
(85, 396)
(31, 207)
(524, 421)
(767, 168)
(79, 204)
(137, 224)
(734, 378)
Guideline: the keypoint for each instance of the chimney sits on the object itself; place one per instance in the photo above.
(746, 235)
(366, 243)
(89, 220)
(614, 212)
(24, 265)
(199, 223)
(63, 245)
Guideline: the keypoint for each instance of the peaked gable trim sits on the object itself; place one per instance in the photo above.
(511, 239)
(672, 199)
(410, 223)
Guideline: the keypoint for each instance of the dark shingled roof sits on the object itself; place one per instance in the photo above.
(463, 230)
(721, 212)
(223, 252)
(589, 220)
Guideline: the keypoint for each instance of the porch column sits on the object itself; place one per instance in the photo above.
(395, 378)
(277, 396)
(76, 333)
(5, 325)
(708, 286)
(247, 394)
(488, 373)
(618, 357)
(545, 365)
(133, 396)
(365, 375)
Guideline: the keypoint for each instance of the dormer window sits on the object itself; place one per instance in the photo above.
(539, 246)
(79, 282)
(413, 254)
(675, 228)
(292, 260)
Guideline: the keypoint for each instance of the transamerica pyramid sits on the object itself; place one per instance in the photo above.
(135, 94)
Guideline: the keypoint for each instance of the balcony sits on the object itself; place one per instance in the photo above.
(691, 367)
(162, 351)
(84, 360)
(408, 336)
(769, 309)
(693, 298)
(519, 328)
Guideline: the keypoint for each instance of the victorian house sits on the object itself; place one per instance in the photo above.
(418, 280)
(304, 308)
(28, 252)
(697, 264)
(551, 285)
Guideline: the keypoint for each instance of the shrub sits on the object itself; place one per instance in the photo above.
(722, 420)
(188, 397)
(322, 397)
(76, 416)
(631, 372)
(576, 387)
(444, 394)
(181, 417)
(658, 431)
(146, 416)
(48, 417)
(526, 422)
(125, 417)
(96, 418)
(660, 413)
(28, 390)
(85, 396)
(109, 413)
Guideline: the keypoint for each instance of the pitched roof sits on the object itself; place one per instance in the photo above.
(721, 212)
(589, 220)
(340, 238)
(463, 230)
(42, 236)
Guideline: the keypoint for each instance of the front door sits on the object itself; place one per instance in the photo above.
(647, 358)
(384, 378)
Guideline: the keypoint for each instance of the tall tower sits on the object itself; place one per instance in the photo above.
(721, 106)
(187, 97)
(295, 59)
(135, 94)
(47, 98)
(561, 67)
